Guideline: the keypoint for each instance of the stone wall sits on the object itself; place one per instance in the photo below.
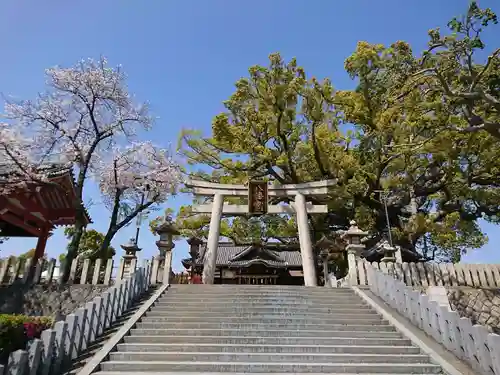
(481, 306)
(46, 300)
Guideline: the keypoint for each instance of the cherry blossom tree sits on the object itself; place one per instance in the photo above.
(86, 111)
(18, 167)
(133, 179)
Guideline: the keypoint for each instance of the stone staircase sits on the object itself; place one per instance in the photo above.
(264, 329)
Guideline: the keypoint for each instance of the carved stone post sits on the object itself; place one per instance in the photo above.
(165, 244)
(354, 248)
(306, 251)
(130, 257)
(398, 254)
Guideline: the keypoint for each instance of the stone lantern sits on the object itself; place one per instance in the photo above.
(166, 230)
(354, 237)
(194, 252)
(389, 253)
(324, 245)
(130, 257)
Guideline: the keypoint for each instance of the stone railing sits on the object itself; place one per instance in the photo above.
(427, 274)
(471, 343)
(83, 271)
(70, 337)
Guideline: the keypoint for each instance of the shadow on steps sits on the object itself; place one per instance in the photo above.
(79, 362)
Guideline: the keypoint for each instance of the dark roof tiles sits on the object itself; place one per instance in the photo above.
(228, 251)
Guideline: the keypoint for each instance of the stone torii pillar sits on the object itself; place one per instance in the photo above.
(306, 250)
(301, 208)
(213, 239)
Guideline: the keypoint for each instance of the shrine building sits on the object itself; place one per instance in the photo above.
(36, 210)
(266, 264)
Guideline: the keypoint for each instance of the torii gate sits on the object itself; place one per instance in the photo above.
(258, 193)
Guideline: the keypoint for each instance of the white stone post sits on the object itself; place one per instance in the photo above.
(352, 254)
(167, 270)
(398, 254)
(213, 239)
(354, 249)
(306, 251)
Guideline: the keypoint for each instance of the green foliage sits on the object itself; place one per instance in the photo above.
(406, 132)
(28, 255)
(90, 245)
(17, 330)
(450, 69)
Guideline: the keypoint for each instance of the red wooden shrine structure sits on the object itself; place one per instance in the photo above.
(36, 210)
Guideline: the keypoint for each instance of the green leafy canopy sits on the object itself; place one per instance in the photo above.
(406, 131)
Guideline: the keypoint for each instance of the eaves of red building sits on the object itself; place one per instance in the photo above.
(35, 211)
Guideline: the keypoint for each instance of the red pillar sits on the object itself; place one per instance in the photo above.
(39, 252)
(42, 243)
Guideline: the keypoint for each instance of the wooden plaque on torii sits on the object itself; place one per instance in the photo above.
(257, 198)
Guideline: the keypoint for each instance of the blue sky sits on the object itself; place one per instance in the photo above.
(184, 56)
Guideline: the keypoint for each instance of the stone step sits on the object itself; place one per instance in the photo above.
(349, 338)
(286, 358)
(370, 331)
(271, 367)
(263, 326)
(250, 295)
(349, 308)
(249, 301)
(256, 294)
(264, 319)
(354, 319)
(258, 309)
(219, 373)
(259, 348)
(258, 288)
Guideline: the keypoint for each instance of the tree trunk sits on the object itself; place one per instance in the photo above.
(107, 239)
(72, 250)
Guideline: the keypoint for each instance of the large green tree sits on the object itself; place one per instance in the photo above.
(389, 139)
(90, 245)
(451, 70)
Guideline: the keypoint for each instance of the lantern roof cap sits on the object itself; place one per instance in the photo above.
(167, 226)
(354, 230)
(325, 243)
(130, 245)
(194, 241)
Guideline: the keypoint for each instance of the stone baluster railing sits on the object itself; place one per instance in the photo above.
(471, 343)
(67, 339)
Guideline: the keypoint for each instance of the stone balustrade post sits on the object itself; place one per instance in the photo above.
(354, 248)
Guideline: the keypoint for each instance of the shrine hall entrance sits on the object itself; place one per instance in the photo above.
(260, 274)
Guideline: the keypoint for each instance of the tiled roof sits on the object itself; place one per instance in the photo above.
(53, 170)
(228, 251)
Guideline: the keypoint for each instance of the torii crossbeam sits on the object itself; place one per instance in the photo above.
(300, 207)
